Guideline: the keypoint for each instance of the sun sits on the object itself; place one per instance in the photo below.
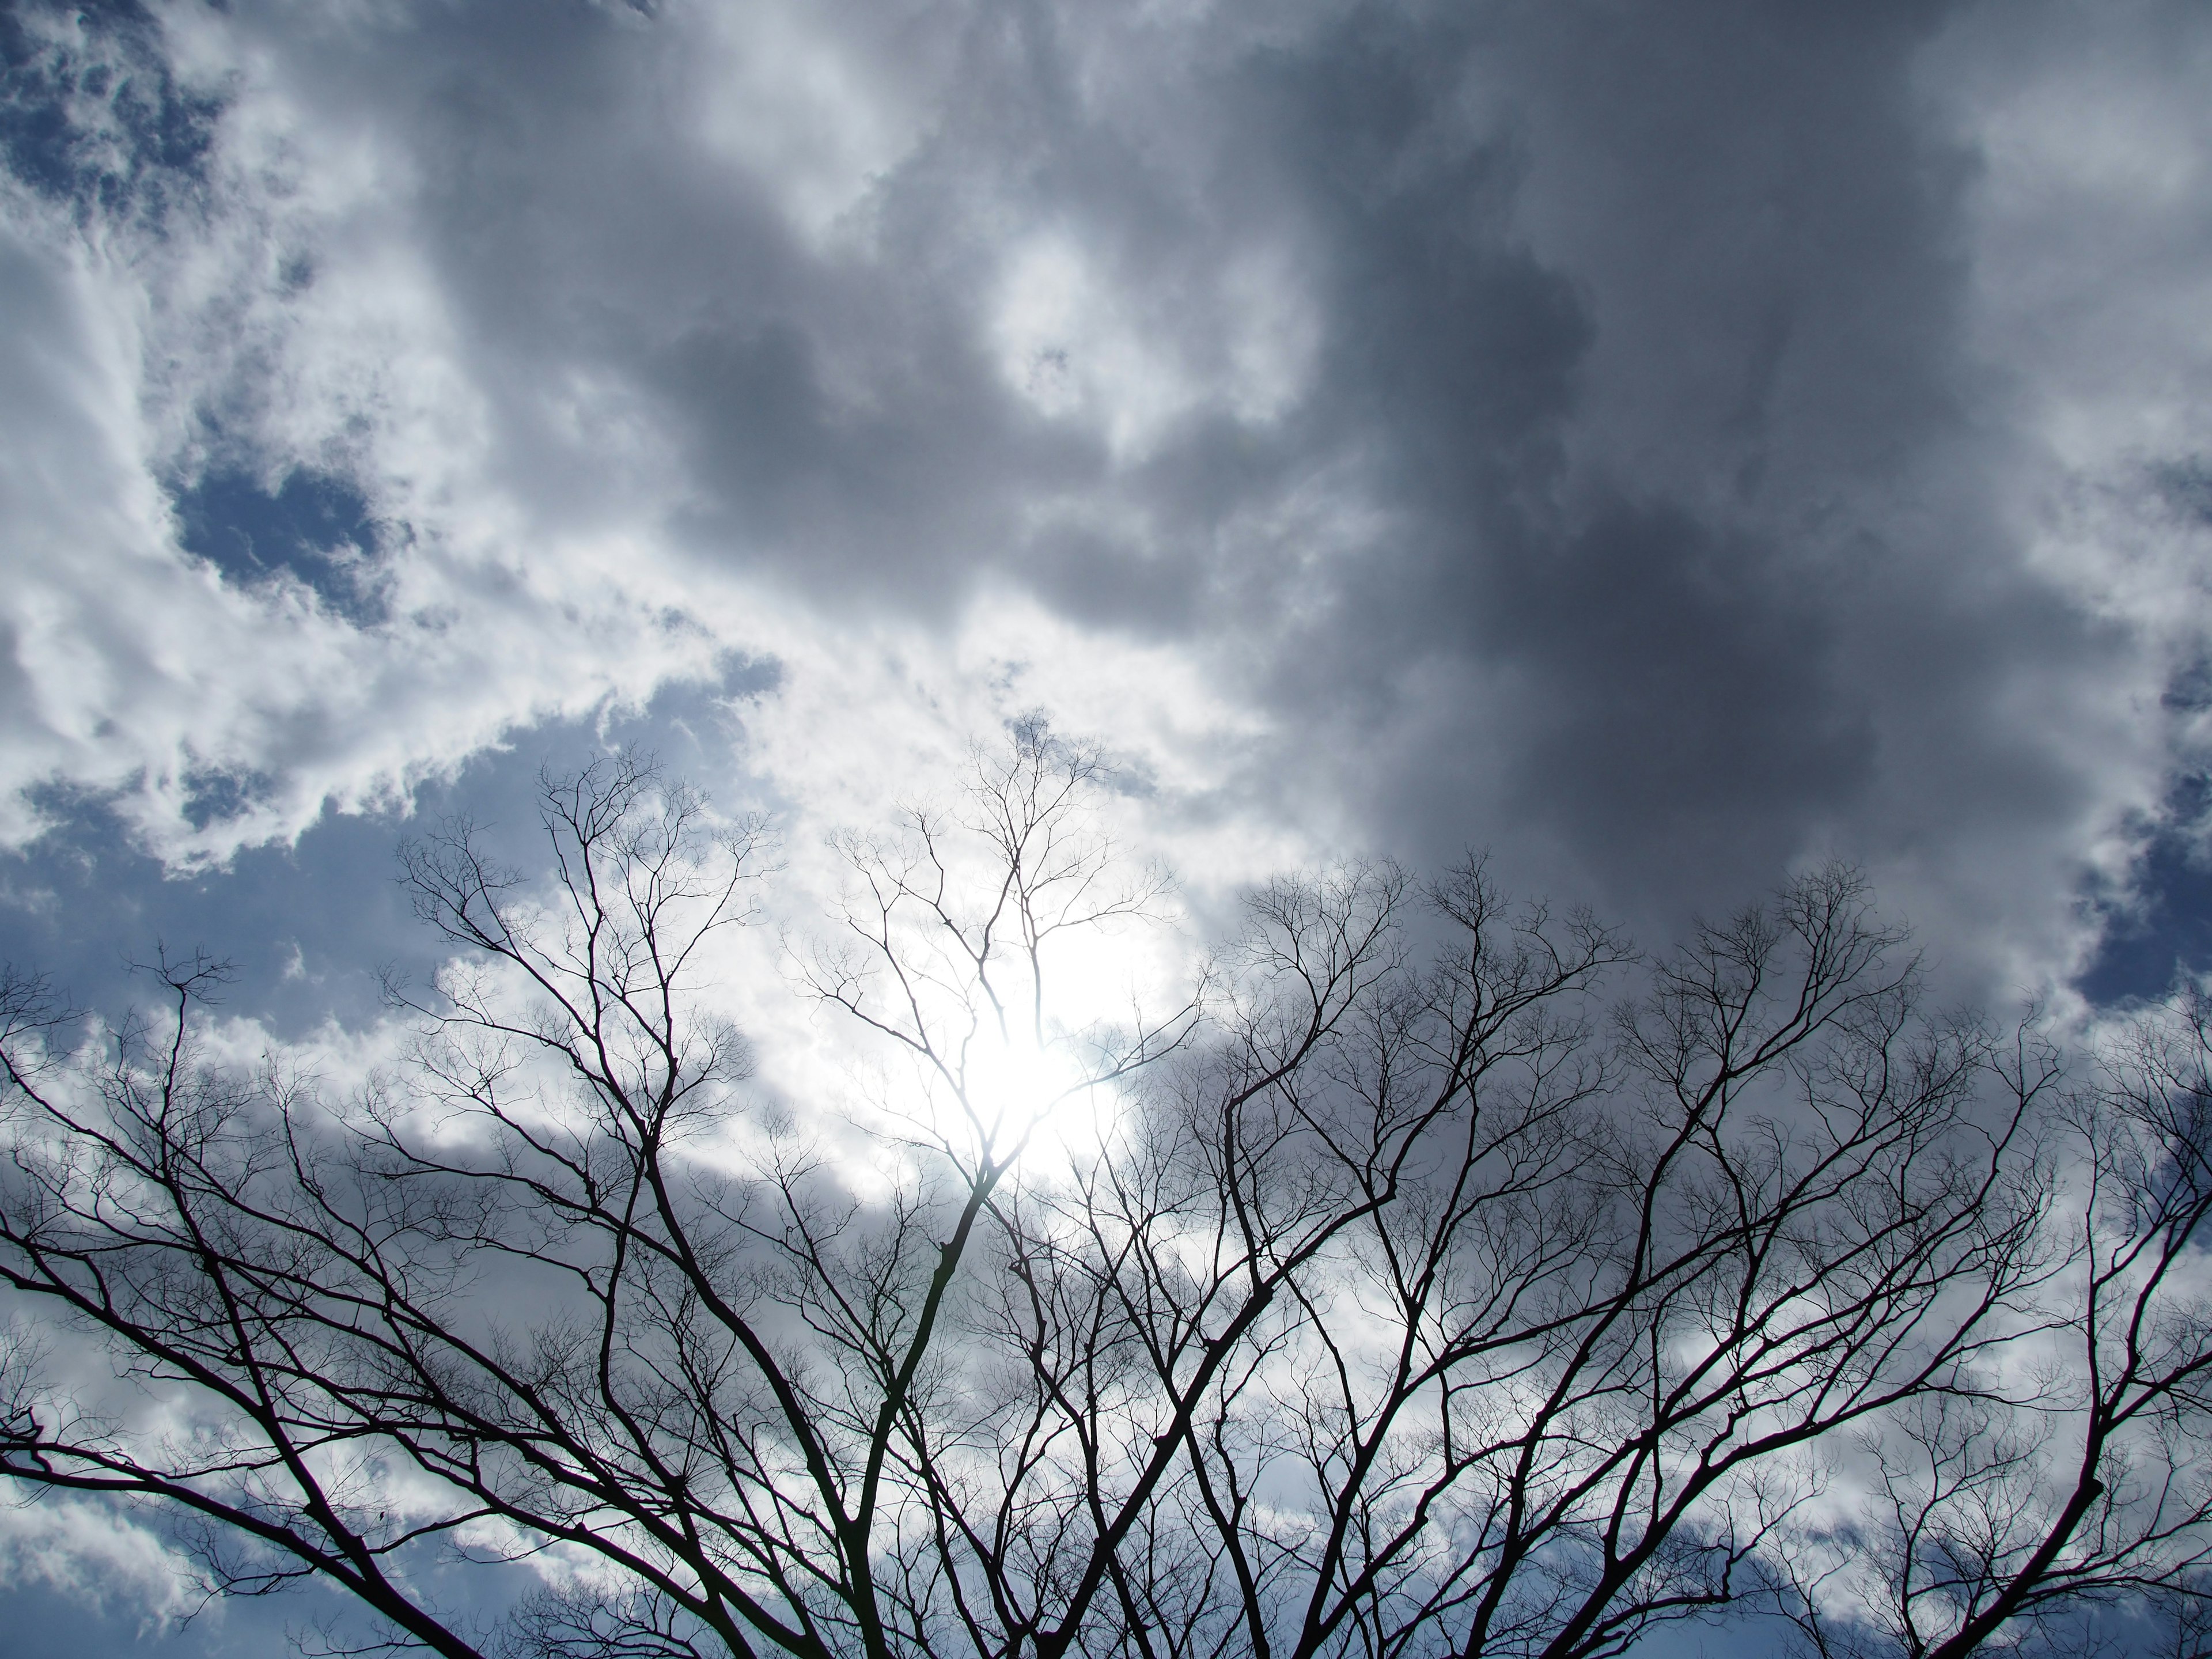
(1048, 1088)
(1012, 1078)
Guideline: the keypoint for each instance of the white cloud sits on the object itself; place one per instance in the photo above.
(87, 1550)
(145, 677)
(814, 109)
(1131, 359)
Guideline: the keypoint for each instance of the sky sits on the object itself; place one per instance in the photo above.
(1664, 446)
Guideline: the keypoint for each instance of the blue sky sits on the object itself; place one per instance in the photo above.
(1664, 446)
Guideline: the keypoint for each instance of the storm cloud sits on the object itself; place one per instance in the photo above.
(1663, 444)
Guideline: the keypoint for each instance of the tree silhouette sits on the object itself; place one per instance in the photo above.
(1442, 1278)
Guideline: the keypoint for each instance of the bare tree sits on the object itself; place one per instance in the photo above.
(1405, 1300)
(2065, 1472)
(527, 1280)
(1418, 1319)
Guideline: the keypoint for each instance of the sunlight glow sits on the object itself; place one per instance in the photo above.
(1014, 1078)
(1042, 1090)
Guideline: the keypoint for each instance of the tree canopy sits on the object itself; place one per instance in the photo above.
(1445, 1277)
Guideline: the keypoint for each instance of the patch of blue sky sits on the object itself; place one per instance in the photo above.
(2159, 930)
(2162, 930)
(91, 113)
(313, 525)
(310, 926)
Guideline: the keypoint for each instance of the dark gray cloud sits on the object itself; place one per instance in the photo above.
(1649, 375)
(1574, 429)
(1637, 339)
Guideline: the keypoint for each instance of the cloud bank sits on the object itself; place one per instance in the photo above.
(1665, 446)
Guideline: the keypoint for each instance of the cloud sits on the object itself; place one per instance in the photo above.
(1665, 446)
(219, 700)
(98, 1558)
